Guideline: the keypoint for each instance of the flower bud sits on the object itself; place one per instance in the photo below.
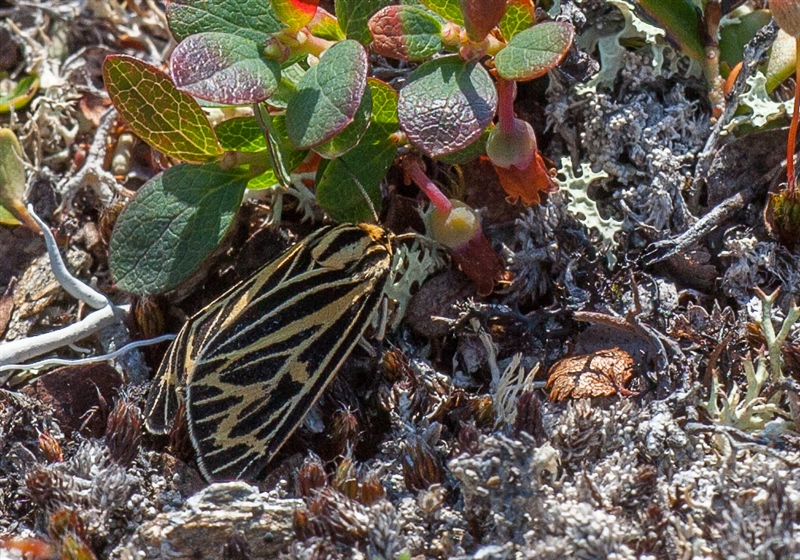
(515, 147)
(460, 230)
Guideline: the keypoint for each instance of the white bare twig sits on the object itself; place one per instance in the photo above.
(107, 313)
(26, 348)
(83, 361)
(72, 285)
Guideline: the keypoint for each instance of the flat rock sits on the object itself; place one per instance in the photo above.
(211, 521)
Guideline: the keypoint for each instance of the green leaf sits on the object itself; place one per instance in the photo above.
(326, 26)
(350, 136)
(734, 36)
(295, 13)
(12, 182)
(681, 20)
(172, 224)
(406, 33)
(535, 51)
(21, 94)
(384, 106)
(7, 218)
(224, 68)
(446, 105)
(328, 95)
(267, 180)
(241, 134)
(474, 150)
(353, 16)
(520, 14)
(337, 190)
(251, 19)
(290, 77)
(448, 9)
(782, 60)
(159, 113)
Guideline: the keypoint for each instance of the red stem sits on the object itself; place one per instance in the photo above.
(506, 92)
(439, 200)
(790, 179)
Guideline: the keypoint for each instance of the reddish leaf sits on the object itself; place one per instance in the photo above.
(295, 13)
(405, 32)
(600, 374)
(527, 184)
(481, 16)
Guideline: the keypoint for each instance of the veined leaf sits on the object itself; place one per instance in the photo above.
(159, 113)
(224, 68)
(251, 19)
(446, 105)
(172, 224)
(353, 16)
(535, 51)
(327, 96)
(406, 33)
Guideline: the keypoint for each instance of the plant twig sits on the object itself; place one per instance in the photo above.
(83, 361)
(72, 285)
(93, 171)
(27, 348)
(666, 249)
(754, 52)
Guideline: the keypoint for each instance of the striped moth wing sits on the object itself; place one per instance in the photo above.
(259, 357)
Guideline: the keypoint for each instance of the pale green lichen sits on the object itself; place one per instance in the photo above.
(612, 47)
(410, 267)
(577, 187)
(752, 411)
(760, 108)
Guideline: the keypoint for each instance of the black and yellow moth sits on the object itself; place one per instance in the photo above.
(250, 365)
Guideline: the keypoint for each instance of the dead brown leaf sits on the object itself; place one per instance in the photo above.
(600, 374)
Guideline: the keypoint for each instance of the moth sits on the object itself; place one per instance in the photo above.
(249, 366)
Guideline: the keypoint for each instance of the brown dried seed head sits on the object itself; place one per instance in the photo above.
(149, 316)
(50, 447)
(422, 466)
(180, 444)
(344, 431)
(344, 519)
(302, 525)
(345, 480)
(107, 220)
(395, 365)
(310, 476)
(529, 416)
(124, 431)
(482, 410)
(468, 438)
(44, 486)
(370, 489)
(237, 547)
